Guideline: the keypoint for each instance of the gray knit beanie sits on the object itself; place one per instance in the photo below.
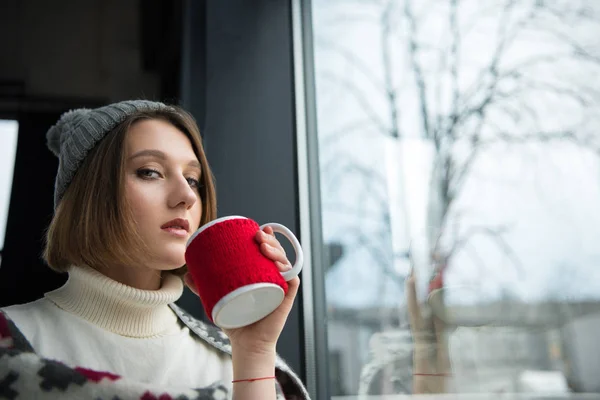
(78, 131)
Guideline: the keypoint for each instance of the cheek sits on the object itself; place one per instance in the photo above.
(140, 202)
(198, 212)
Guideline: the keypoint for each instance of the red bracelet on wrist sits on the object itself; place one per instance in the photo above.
(423, 374)
(253, 379)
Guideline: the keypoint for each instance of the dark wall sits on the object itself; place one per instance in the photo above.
(82, 49)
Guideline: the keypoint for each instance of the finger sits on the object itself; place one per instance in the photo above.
(442, 353)
(265, 234)
(264, 237)
(283, 266)
(290, 296)
(414, 310)
(260, 236)
(273, 253)
(187, 278)
(292, 283)
(272, 240)
(439, 324)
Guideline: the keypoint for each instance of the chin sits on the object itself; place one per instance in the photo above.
(170, 263)
(175, 265)
(171, 267)
(170, 257)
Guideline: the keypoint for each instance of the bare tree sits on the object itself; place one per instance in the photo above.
(464, 116)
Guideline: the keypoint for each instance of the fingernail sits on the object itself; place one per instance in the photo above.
(284, 267)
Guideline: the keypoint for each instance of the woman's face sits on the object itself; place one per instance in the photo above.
(162, 185)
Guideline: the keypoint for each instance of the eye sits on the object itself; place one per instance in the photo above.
(148, 173)
(194, 183)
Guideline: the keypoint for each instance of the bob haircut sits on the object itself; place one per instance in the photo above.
(93, 223)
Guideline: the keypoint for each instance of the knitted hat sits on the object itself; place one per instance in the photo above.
(78, 131)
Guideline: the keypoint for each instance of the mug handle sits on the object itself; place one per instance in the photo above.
(297, 267)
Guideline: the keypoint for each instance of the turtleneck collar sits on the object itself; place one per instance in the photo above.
(119, 308)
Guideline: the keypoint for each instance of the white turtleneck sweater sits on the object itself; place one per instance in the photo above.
(97, 323)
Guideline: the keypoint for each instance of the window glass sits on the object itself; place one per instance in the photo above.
(459, 156)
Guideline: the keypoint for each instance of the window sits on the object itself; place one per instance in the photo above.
(8, 148)
(458, 140)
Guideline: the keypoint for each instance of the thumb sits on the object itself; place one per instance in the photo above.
(187, 278)
(414, 309)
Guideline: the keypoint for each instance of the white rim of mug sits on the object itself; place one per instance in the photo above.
(211, 223)
(289, 235)
(238, 292)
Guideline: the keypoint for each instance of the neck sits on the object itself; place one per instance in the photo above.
(139, 278)
(119, 308)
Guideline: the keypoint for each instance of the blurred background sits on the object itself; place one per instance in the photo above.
(454, 138)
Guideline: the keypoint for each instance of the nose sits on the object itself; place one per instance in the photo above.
(181, 194)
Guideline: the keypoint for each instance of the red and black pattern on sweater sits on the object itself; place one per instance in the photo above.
(24, 375)
(10, 336)
(20, 373)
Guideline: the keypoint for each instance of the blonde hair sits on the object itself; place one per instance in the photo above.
(93, 223)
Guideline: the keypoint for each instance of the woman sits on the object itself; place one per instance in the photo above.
(133, 184)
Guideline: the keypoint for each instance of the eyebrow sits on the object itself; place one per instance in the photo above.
(159, 154)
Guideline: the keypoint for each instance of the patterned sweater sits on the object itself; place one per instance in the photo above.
(26, 375)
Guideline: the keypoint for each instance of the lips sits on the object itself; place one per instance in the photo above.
(177, 224)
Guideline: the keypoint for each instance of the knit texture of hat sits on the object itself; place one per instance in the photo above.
(78, 131)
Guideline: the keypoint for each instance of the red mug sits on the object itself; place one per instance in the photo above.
(236, 283)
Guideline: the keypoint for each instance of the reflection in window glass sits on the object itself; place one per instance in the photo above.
(8, 149)
(458, 140)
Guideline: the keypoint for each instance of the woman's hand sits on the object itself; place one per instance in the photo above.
(261, 337)
(431, 361)
(253, 346)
